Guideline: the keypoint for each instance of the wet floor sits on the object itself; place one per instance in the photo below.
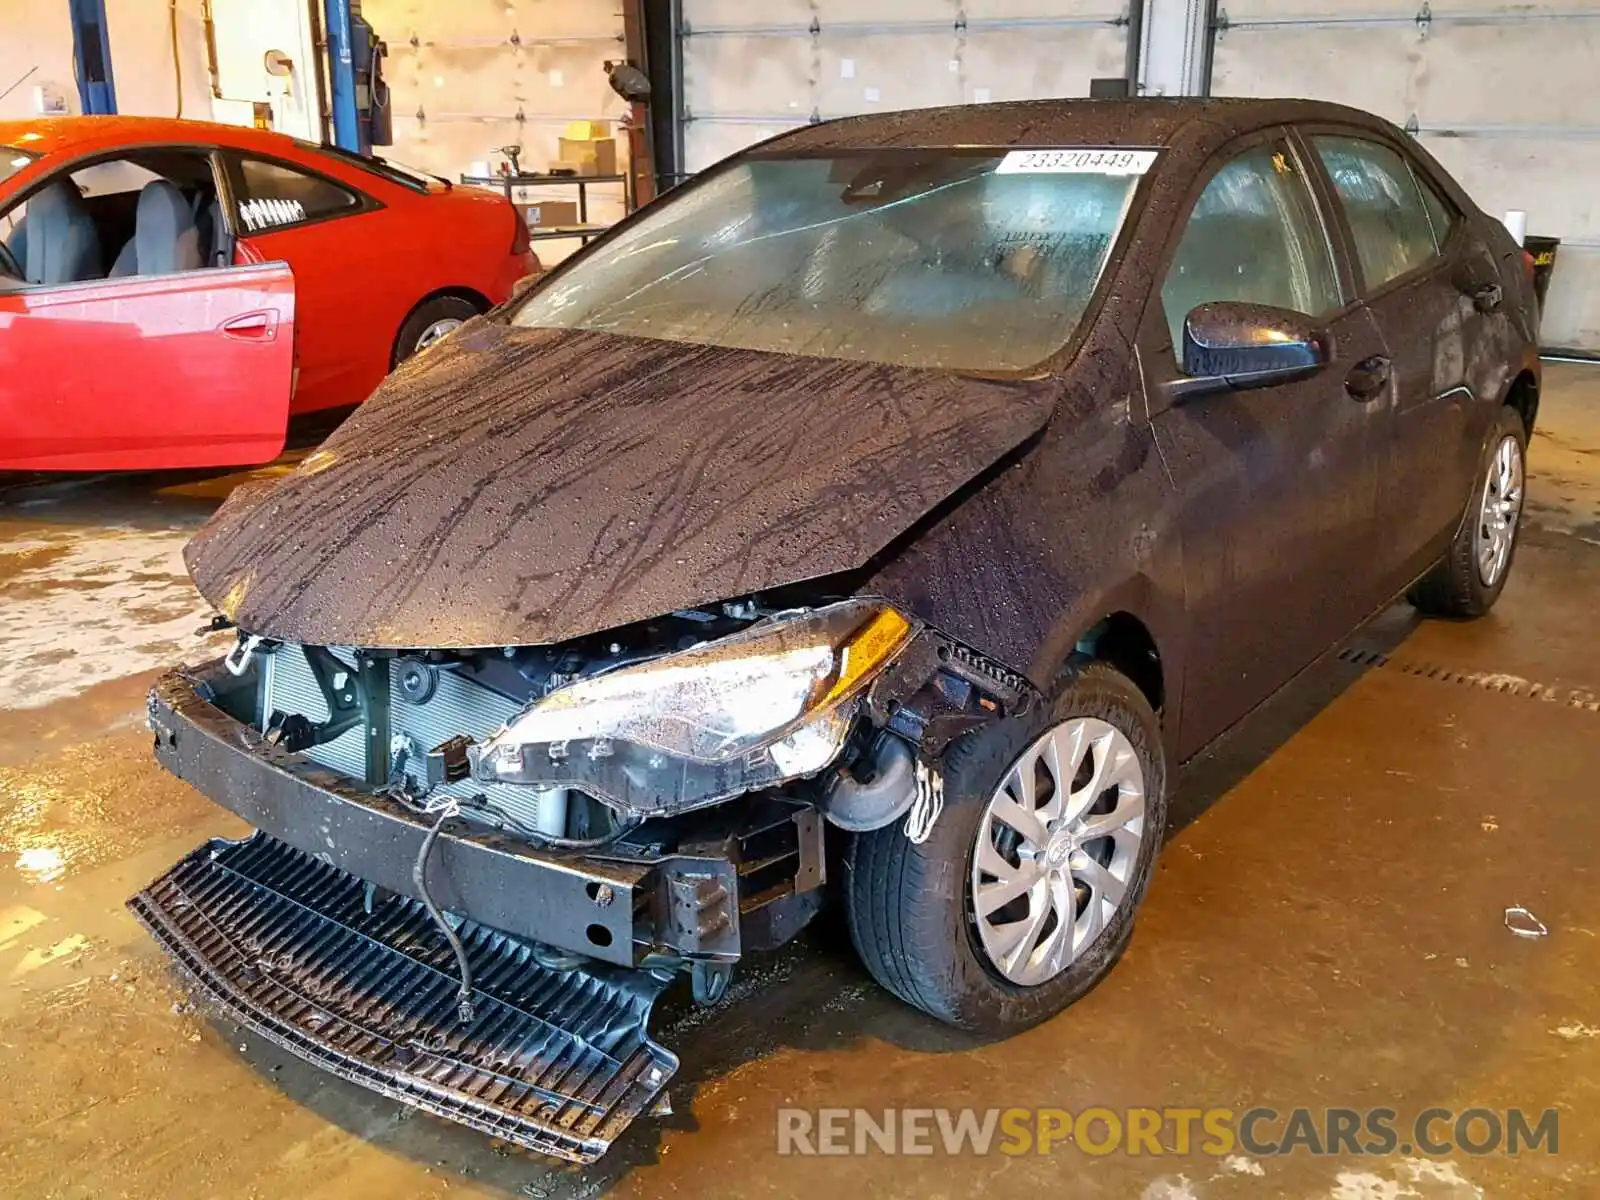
(1326, 929)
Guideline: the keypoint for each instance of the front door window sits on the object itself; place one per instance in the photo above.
(152, 212)
(1254, 237)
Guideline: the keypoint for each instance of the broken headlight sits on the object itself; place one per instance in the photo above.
(771, 703)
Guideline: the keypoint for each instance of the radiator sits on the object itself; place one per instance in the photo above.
(457, 706)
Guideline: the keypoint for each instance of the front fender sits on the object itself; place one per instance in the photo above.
(1082, 526)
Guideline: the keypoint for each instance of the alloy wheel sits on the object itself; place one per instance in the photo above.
(438, 331)
(1057, 846)
(1500, 512)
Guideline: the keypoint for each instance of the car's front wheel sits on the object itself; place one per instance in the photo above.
(1470, 578)
(1024, 894)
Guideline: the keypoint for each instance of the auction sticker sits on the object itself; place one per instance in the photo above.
(1077, 161)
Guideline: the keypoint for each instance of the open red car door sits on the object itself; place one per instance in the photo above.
(189, 370)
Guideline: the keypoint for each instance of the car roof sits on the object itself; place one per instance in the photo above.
(1194, 125)
(53, 135)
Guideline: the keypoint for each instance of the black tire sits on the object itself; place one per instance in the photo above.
(1454, 587)
(909, 906)
(425, 316)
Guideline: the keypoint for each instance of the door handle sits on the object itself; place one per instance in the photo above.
(1368, 378)
(252, 327)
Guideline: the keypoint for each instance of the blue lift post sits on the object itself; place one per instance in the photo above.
(91, 53)
(342, 74)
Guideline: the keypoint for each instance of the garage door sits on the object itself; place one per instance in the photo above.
(752, 70)
(1503, 98)
(469, 77)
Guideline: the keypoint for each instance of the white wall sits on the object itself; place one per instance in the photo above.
(35, 33)
(39, 32)
(142, 58)
(879, 55)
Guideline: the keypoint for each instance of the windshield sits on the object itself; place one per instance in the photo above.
(981, 262)
(13, 160)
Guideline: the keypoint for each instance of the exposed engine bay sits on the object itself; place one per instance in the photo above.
(571, 745)
(649, 801)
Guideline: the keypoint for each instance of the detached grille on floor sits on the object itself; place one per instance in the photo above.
(556, 1061)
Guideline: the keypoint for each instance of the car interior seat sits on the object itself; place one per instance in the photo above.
(166, 237)
(56, 241)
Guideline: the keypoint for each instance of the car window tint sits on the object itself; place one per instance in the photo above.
(274, 196)
(1253, 236)
(1383, 204)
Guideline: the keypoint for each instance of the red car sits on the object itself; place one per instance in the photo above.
(171, 292)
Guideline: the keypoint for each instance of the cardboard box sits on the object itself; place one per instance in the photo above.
(547, 214)
(587, 131)
(593, 156)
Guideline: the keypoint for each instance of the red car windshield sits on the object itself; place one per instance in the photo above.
(969, 261)
(13, 160)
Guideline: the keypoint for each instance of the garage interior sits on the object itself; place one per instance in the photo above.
(1326, 925)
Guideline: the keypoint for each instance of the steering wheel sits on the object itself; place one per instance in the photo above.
(8, 263)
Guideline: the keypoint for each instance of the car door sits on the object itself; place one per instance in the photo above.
(186, 370)
(1277, 485)
(324, 230)
(1412, 261)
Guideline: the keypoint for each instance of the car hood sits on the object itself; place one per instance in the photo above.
(526, 486)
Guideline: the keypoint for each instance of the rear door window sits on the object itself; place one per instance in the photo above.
(1440, 215)
(274, 196)
(1384, 205)
(1254, 236)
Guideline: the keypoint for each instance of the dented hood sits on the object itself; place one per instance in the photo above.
(525, 486)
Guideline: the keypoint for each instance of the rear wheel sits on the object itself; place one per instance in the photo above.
(1469, 579)
(1023, 896)
(431, 322)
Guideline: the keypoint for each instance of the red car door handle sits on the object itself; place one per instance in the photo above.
(252, 327)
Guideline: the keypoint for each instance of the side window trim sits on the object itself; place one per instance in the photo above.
(1441, 237)
(229, 240)
(235, 157)
(1326, 206)
(1340, 239)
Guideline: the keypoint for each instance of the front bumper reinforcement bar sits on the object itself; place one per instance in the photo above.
(362, 984)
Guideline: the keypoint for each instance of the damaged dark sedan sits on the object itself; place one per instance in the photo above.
(883, 516)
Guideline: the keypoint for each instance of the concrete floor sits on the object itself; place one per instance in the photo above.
(1325, 928)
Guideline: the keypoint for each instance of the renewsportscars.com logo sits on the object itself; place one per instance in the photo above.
(1262, 1132)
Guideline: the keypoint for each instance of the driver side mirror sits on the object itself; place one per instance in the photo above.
(1228, 346)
